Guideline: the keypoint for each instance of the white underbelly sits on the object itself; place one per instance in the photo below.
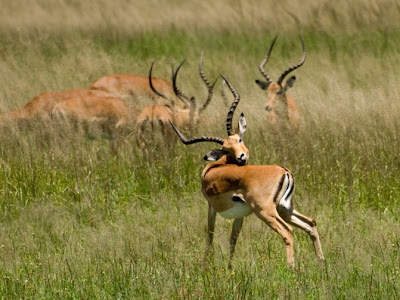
(239, 210)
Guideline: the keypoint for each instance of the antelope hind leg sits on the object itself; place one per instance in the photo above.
(308, 225)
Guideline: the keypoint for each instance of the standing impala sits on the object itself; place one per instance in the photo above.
(161, 115)
(282, 110)
(235, 189)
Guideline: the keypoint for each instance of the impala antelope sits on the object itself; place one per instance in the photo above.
(160, 115)
(133, 86)
(282, 110)
(234, 189)
(41, 106)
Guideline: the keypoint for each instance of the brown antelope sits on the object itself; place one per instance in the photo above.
(235, 189)
(151, 116)
(42, 105)
(282, 110)
(185, 117)
(130, 85)
(111, 115)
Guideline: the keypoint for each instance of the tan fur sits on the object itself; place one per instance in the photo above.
(235, 189)
(42, 105)
(282, 110)
(160, 115)
(111, 115)
(220, 178)
(127, 85)
(156, 112)
(261, 189)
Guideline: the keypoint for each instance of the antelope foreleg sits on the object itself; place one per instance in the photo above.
(236, 227)
(212, 215)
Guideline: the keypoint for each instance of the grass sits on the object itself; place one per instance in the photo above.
(76, 222)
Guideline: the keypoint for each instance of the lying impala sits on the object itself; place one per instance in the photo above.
(110, 115)
(42, 105)
(235, 189)
(162, 114)
(130, 85)
(282, 110)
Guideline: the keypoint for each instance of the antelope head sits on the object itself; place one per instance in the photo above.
(233, 149)
(278, 104)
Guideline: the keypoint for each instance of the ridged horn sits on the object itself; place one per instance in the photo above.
(196, 140)
(261, 66)
(291, 69)
(232, 108)
(206, 82)
(185, 99)
(210, 94)
(209, 86)
(223, 92)
(151, 83)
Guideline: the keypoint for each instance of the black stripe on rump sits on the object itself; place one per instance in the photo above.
(292, 187)
(279, 188)
(237, 199)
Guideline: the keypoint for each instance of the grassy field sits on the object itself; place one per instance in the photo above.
(76, 222)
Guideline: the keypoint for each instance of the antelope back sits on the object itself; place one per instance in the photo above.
(130, 85)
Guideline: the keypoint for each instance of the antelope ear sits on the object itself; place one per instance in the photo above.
(289, 83)
(193, 102)
(192, 107)
(262, 84)
(242, 125)
(214, 155)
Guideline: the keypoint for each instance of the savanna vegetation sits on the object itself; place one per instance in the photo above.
(79, 222)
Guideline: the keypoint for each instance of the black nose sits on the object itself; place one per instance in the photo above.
(242, 159)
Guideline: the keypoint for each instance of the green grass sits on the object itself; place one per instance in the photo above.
(77, 222)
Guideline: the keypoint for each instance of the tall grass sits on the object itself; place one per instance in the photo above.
(77, 222)
(128, 18)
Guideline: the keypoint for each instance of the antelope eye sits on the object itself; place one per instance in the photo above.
(240, 140)
(279, 92)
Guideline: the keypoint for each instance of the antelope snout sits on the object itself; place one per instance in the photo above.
(242, 159)
(268, 108)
